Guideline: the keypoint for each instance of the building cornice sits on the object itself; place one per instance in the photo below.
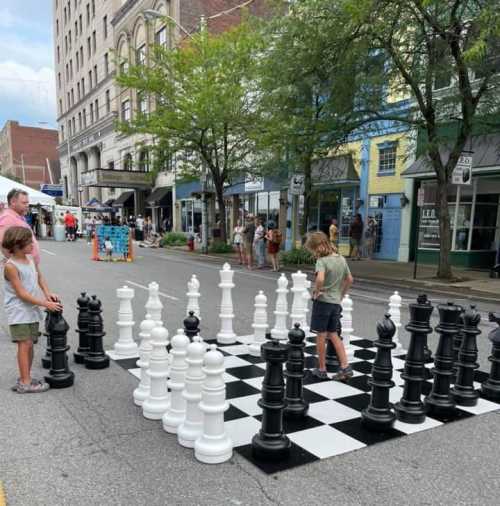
(121, 13)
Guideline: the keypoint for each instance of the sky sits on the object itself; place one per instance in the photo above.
(27, 80)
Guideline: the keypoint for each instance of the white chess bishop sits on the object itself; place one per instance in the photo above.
(226, 334)
(280, 330)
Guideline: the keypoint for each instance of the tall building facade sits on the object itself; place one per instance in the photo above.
(29, 154)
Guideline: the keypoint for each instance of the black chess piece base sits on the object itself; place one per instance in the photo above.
(408, 412)
(61, 380)
(96, 362)
(296, 410)
(491, 391)
(79, 357)
(46, 362)
(270, 449)
(379, 422)
(465, 397)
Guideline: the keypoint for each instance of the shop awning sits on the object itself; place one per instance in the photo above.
(338, 170)
(185, 190)
(124, 199)
(485, 157)
(159, 196)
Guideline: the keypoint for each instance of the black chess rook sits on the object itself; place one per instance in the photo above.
(271, 442)
(295, 405)
(96, 358)
(83, 328)
(191, 325)
(378, 415)
(411, 409)
(440, 401)
(491, 387)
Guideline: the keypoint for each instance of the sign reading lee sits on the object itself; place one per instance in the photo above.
(462, 173)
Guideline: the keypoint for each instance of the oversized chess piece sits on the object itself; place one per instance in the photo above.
(158, 400)
(125, 346)
(59, 375)
(347, 330)
(214, 446)
(177, 410)
(153, 305)
(142, 392)
(193, 294)
(331, 359)
(295, 405)
(192, 426)
(395, 302)
(297, 314)
(457, 344)
(226, 334)
(440, 400)
(46, 357)
(378, 415)
(410, 409)
(280, 330)
(191, 325)
(83, 328)
(463, 391)
(307, 297)
(95, 358)
(259, 324)
(491, 387)
(271, 442)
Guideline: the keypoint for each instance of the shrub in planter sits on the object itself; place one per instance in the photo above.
(173, 239)
(297, 256)
(220, 247)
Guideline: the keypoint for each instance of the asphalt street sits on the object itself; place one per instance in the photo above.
(89, 445)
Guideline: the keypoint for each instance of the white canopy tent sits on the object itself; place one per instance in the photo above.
(35, 196)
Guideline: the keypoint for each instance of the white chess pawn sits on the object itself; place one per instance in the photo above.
(226, 334)
(193, 294)
(154, 305)
(214, 445)
(280, 330)
(346, 322)
(259, 324)
(297, 314)
(395, 302)
(141, 393)
(155, 406)
(176, 412)
(192, 426)
(125, 346)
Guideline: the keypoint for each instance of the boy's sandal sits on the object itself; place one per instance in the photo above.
(32, 388)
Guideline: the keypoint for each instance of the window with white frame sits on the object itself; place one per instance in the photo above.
(142, 103)
(141, 55)
(126, 110)
(161, 37)
(387, 158)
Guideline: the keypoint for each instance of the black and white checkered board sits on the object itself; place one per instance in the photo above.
(332, 426)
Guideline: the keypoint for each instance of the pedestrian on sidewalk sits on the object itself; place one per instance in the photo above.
(370, 237)
(332, 281)
(274, 238)
(248, 237)
(259, 243)
(238, 242)
(25, 290)
(70, 224)
(355, 236)
(13, 216)
(333, 232)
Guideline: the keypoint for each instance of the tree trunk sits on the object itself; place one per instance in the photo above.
(444, 267)
(306, 167)
(219, 191)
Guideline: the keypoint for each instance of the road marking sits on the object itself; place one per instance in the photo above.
(48, 252)
(171, 297)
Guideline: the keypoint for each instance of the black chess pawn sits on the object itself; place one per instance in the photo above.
(295, 405)
(59, 375)
(191, 325)
(440, 401)
(378, 415)
(463, 391)
(332, 361)
(410, 409)
(491, 387)
(271, 442)
(83, 328)
(46, 357)
(96, 358)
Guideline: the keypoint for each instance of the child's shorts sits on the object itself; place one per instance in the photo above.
(325, 316)
(24, 332)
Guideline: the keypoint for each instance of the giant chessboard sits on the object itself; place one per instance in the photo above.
(333, 424)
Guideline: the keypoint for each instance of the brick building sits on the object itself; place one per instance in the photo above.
(29, 154)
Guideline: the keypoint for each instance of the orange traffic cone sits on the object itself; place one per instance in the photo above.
(95, 248)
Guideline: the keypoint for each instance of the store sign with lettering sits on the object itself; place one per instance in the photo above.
(462, 174)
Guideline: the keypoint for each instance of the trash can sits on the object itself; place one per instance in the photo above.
(59, 233)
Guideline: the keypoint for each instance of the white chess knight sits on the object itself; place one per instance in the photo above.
(154, 305)
(214, 445)
(395, 302)
(176, 412)
(259, 324)
(158, 400)
(125, 346)
(193, 294)
(280, 330)
(141, 393)
(297, 314)
(192, 426)
(226, 334)
(346, 322)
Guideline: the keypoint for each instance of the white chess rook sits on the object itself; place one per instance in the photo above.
(193, 294)
(214, 445)
(259, 324)
(154, 305)
(297, 314)
(280, 330)
(157, 403)
(176, 412)
(192, 426)
(125, 346)
(141, 393)
(347, 329)
(226, 334)
(395, 302)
